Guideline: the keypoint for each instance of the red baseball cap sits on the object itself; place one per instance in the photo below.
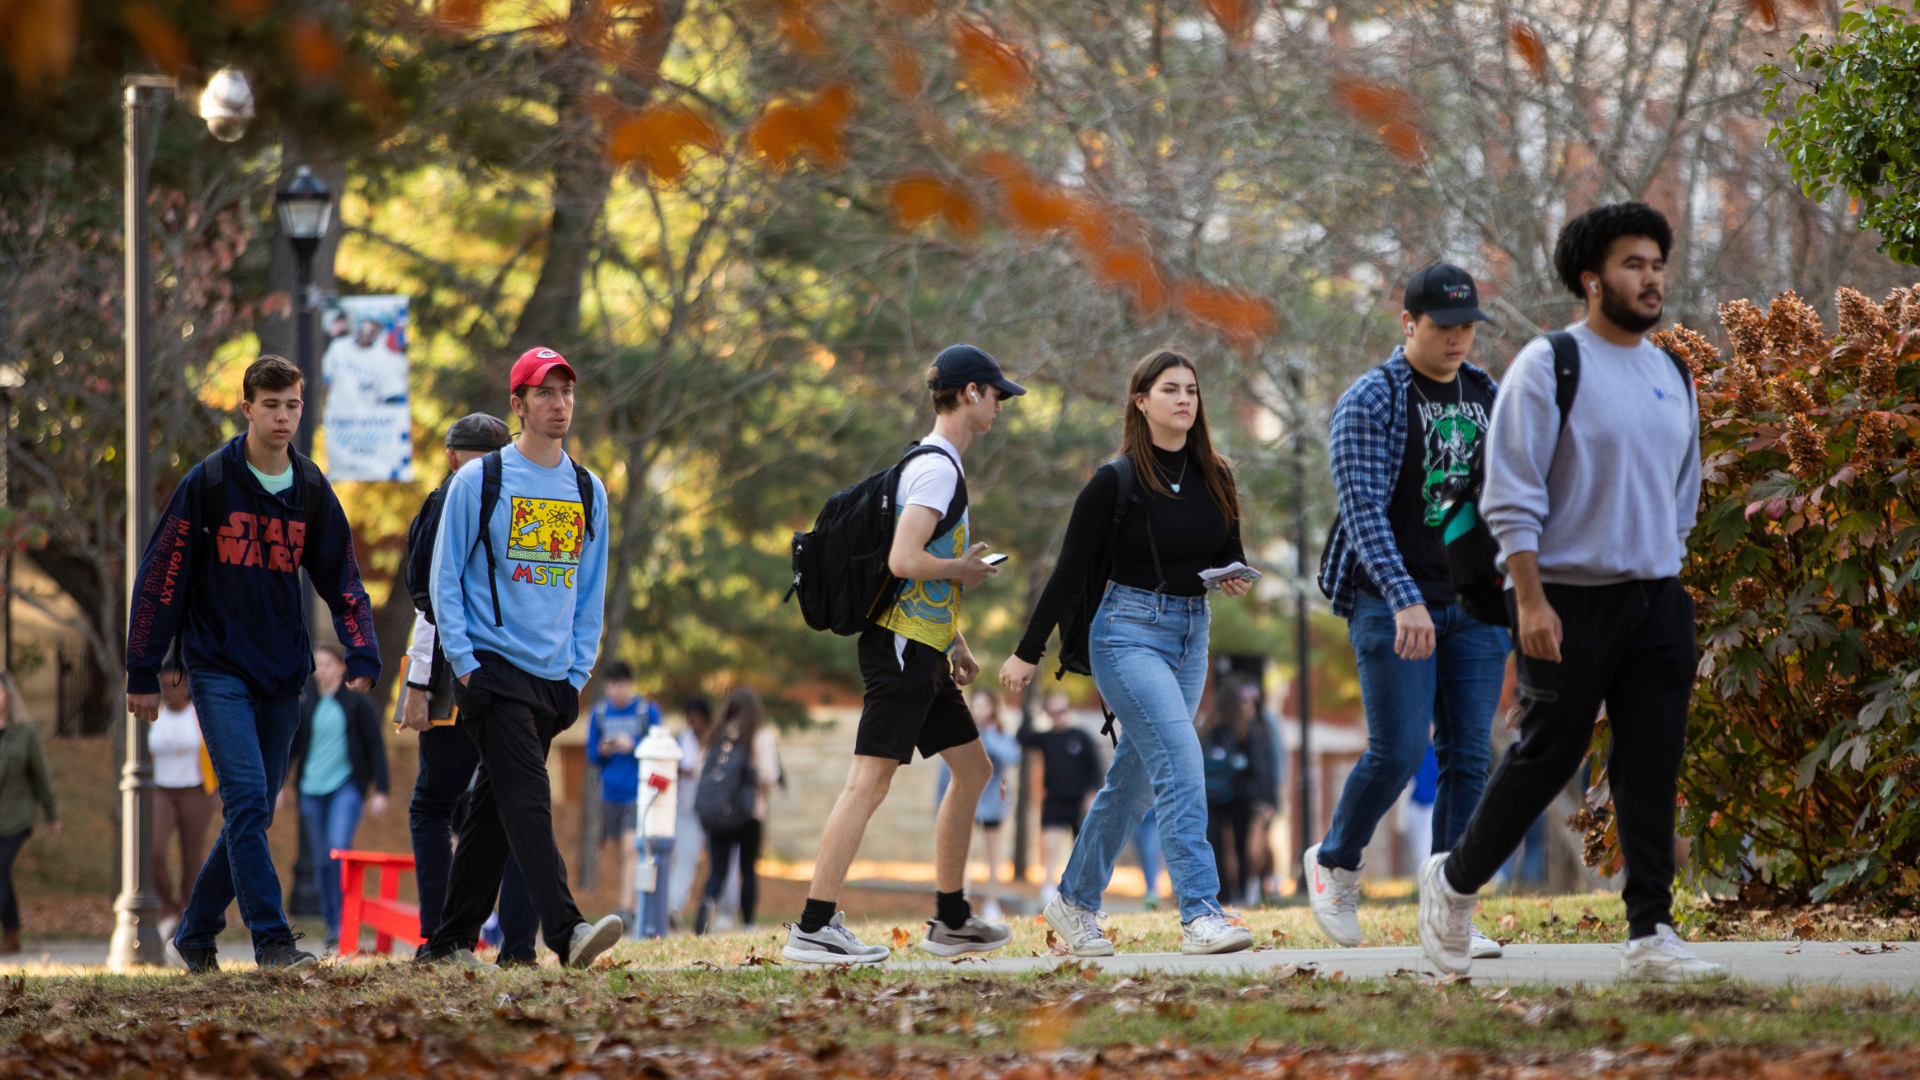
(532, 367)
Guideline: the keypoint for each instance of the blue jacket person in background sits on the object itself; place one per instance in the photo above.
(221, 573)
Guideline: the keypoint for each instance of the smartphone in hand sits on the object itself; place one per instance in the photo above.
(994, 559)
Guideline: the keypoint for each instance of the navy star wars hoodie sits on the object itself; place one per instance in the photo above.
(231, 590)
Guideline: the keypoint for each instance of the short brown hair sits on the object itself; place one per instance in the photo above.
(332, 650)
(270, 372)
(946, 399)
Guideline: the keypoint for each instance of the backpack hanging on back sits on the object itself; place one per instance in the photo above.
(420, 537)
(1471, 548)
(724, 798)
(840, 570)
(490, 470)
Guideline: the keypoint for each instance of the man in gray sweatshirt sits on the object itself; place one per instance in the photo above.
(1591, 509)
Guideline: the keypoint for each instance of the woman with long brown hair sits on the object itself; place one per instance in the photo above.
(742, 724)
(1146, 646)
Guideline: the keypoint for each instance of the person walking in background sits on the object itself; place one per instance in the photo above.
(1591, 501)
(26, 791)
(1240, 782)
(222, 574)
(1421, 794)
(519, 590)
(741, 735)
(689, 839)
(1426, 666)
(614, 727)
(1147, 646)
(184, 796)
(448, 757)
(1003, 750)
(340, 754)
(1070, 774)
(1146, 847)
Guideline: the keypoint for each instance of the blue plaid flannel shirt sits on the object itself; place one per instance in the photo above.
(1369, 439)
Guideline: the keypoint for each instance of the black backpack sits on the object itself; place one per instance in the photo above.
(840, 568)
(1075, 627)
(490, 499)
(724, 798)
(1471, 548)
(420, 537)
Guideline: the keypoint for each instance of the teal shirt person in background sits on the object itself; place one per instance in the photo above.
(327, 764)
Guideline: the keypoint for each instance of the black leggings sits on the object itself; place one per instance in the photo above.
(720, 849)
(9, 903)
(1237, 815)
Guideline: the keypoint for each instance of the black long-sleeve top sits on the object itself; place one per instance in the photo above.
(1192, 533)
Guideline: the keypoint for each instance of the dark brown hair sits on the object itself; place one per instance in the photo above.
(270, 372)
(1136, 439)
(1229, 708)
(945, 399)
(741, 715)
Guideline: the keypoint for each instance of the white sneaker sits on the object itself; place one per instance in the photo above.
(1665, 958)
(1446, 919)
(1078, 927)
(1484, 947)
(990, 910)
(1334, 896)
(832, 944)
(1212, 933)
(592, 939)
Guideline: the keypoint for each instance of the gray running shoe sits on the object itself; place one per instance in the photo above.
(832, 944)
(592, 939)
(977, 935)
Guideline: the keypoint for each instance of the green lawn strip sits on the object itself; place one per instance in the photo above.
(1067, 1008)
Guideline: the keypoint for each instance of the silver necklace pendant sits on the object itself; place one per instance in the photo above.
(1176, 489)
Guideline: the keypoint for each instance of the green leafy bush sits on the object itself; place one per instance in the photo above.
(1802, 779)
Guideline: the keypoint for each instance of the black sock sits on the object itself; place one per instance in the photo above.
(952, 908)
(816, 915)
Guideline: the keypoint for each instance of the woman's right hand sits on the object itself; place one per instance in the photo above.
(1016, 673)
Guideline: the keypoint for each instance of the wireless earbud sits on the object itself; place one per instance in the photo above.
(974, 396)
(1592, 285)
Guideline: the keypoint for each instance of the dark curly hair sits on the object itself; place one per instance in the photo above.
(1582, 247)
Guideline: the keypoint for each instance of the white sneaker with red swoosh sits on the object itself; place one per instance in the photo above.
(1334, 896)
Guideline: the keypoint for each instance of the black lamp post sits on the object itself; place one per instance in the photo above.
(226, 105)
(306, 209)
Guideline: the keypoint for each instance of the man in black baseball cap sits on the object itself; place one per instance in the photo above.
(958, 366)
(1446, 294)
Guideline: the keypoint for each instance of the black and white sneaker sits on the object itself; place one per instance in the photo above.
(977, 935)
(284, 956)
(592, 939)
(832, 944)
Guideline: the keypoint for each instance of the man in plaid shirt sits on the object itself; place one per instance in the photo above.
(1427, 668)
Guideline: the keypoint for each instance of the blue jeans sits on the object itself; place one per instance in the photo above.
(1146, 844)
(1453, 693)
(330, 821)
(248, 739)
(1149, 655)
(654, 906)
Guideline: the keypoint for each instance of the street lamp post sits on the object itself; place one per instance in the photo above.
(306, 209)
(226, 105)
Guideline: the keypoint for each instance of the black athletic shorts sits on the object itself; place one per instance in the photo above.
(911, 702)
(1060, 815)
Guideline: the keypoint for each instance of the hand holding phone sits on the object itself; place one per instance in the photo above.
(995, 559)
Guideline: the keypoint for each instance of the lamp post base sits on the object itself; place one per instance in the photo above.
(136, 939)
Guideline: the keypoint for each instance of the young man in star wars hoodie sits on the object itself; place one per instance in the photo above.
(222, 574)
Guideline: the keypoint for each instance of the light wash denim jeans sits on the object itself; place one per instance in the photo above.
(330, 821)
(1149, 654)
(248, 739)
(1453, 693)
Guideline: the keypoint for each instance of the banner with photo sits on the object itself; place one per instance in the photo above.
(368, 419)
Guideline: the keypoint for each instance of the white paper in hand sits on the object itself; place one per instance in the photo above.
(1238, 571)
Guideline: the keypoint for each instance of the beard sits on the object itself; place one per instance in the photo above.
(1620, 311)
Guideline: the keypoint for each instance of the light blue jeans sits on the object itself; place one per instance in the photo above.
(1149, 654)
(330, 821)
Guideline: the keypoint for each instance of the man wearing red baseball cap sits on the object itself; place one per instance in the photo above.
(519, 588)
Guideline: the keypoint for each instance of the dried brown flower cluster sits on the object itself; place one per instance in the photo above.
(1689, 346)
(1895, 308)
(1875, 443)
(1794, 332)
(1860, 318)
(1877, 373)
(1906, 768)
(1837, 699)
(1747, 328)
(1887, 646)
(1743, 382)
(1790, 395)
(1592, 828)
(1749, 593)
(1806, 448)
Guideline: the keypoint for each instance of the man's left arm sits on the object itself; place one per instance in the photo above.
(335, 573)
(589, 606)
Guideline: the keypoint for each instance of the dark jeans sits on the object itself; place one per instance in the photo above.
(511, 717)
(248, 739)
(1629, 646)
(720, 849)
(447, 763)
(1237, 816)
(10, 903)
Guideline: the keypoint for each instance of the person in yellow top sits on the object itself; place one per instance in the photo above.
(914, 661)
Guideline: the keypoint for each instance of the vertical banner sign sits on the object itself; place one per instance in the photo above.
(368, 420)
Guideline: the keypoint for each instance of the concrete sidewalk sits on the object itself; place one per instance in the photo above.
(1773, 963)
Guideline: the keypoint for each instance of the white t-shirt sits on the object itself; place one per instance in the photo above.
(930, 480)
(174, 739)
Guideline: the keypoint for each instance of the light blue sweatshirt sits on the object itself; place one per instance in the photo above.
(552, 580)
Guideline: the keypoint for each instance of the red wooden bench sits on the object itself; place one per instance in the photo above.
(389, 916)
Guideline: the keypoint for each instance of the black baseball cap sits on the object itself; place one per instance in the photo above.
(959, 365)
(1446, 294)
(477, 431)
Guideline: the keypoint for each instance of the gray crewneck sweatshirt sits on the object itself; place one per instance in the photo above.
(1613, 495)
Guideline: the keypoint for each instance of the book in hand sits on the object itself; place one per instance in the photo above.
(1237, 571)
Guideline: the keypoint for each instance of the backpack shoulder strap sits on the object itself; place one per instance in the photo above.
(585, 480)
(1686, 373)
(1566, 371)
(314, 490)
(490, 468)
(1124, 499)
(213, 492)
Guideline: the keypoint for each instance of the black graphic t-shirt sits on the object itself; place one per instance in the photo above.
(1445, 425)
